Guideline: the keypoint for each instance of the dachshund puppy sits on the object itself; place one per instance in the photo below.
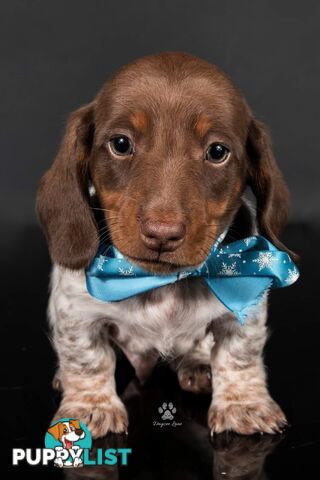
(163, 153)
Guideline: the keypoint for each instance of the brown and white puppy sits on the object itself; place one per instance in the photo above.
(168, 146)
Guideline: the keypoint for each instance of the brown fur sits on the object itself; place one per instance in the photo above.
(171, 107)
(163, 103)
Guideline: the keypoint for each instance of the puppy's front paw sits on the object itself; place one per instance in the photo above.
(100, 417)
(246, 418)
(196, 379)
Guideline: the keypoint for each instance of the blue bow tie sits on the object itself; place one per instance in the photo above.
(238, 273)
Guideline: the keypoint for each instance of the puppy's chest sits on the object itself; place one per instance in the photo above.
(169, 320)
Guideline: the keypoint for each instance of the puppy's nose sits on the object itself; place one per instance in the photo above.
(167, 236)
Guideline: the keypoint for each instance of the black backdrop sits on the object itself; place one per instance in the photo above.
(55, 55)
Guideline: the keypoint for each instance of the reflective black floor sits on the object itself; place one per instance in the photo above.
(185, 451)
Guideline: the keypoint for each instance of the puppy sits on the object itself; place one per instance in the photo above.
(163, 153)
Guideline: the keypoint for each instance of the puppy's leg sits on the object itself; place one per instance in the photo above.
(86, 372)
(241, 401)
(194, 370)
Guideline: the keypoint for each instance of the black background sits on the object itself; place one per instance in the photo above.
(55, 55)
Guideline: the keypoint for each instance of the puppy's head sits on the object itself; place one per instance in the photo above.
(170, 145)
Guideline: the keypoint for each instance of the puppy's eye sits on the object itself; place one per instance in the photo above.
(65, 430)
(121, 145)
(217, 153)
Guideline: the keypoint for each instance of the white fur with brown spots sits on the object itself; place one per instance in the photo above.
(176, 322)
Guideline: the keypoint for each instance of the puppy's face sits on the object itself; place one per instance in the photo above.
(170, 145)
(168, 161)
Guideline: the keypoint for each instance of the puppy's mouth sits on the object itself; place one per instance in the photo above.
(158, 265)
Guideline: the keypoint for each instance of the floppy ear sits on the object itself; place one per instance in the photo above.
(267, 184)
(55, 430)
(75, 424)
(62, 203)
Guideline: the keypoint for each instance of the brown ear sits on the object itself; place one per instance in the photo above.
(62, 204)
(55, 430)
(75, 424)
(267, 184)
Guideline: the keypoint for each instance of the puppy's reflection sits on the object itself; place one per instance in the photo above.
(242, 457)
(99, 472)
(184, 452)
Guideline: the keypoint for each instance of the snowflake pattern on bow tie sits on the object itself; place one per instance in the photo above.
(101, 261)
(229, 270)
(293, 276)
(252, 262)
(248, 240)
(126, 272)
(265, 260)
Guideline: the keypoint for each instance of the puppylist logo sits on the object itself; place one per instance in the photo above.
(67, 444)
(69, 439)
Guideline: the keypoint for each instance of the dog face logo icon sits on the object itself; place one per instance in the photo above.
(67, 432)
(68, 437)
